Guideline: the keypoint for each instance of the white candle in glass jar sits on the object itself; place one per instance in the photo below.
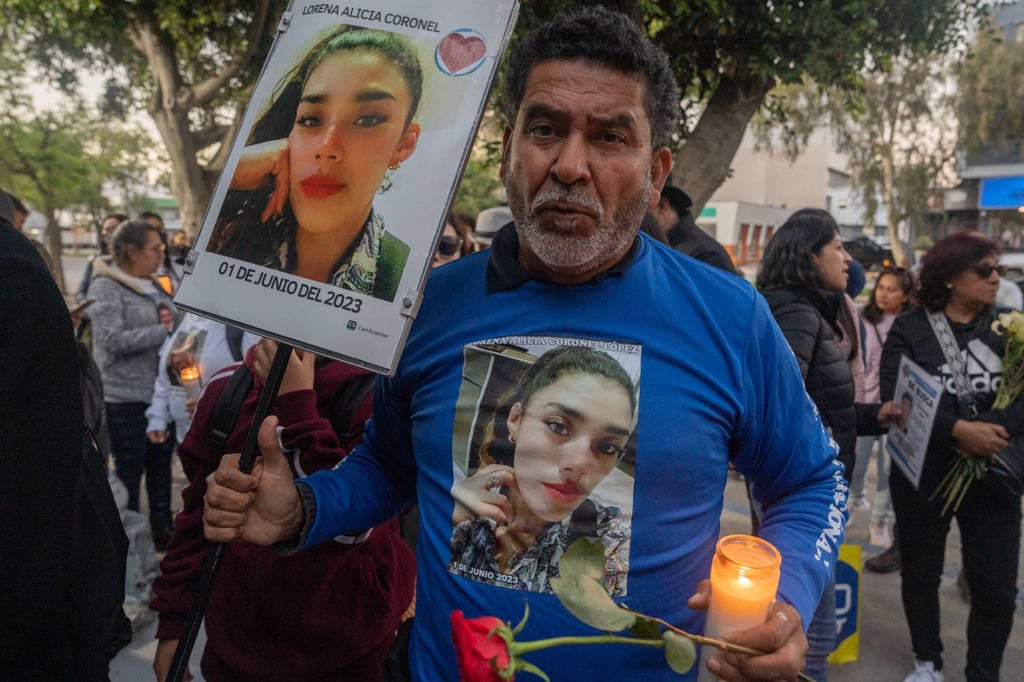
(744, 580)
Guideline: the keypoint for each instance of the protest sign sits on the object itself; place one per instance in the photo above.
(322, 227)
(917, 398)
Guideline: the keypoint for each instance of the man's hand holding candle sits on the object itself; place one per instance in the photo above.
(782, 636)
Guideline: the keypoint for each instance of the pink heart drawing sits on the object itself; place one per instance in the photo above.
(458, 52)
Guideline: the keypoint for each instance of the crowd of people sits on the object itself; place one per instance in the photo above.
(572, 406)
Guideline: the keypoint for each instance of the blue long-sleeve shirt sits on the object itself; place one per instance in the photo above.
(717, 383)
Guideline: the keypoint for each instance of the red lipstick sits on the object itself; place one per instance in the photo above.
(320, 186)
(563, 492)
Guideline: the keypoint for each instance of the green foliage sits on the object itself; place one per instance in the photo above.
(784, 42)
(923, 243)
(903, 142)
(991, 80)
(61, 158)
(645, 628)
(897, 130)
(124, 38)
(480, 187)
(188, 64)
(191, 64)
(588, 600)
(583, 557)
(581, 590)
(680, 652)
(731, 57)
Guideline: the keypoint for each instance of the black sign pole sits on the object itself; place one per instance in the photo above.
(251, 449)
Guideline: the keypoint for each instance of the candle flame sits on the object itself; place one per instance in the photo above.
(189, 373)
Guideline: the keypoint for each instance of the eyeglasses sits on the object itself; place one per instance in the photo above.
(449, 245)
(985, 270)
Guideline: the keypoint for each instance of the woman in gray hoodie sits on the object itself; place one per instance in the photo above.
(131, 318)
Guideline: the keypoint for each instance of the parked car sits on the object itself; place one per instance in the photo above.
(1014, 262)
(870, 254)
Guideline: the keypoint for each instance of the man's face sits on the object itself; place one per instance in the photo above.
(578, 168)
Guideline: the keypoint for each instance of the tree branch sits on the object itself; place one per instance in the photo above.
(203, 92)
(159, 54)
(227, 135)
(210, 135)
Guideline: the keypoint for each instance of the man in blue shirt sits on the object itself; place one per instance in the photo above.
(703, 373)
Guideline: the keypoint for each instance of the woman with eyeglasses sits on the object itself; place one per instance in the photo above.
(449, 247)
(554, 438)
(958, 284)
(131, 319)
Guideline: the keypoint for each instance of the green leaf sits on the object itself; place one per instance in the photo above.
(527, 667)
(584, 557)
(680, 654)
(522, 624)
(588, 600)
(645, 628)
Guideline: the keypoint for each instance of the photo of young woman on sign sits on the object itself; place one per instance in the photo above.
(338, 124)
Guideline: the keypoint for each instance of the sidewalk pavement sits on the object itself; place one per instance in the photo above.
(885, 654)
(134, 663)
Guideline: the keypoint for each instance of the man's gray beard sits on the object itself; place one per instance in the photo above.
(567, 251)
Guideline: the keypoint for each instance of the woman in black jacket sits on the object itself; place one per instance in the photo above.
(803, 276)
(959, 281)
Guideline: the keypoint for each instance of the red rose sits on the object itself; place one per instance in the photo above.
(481, 651)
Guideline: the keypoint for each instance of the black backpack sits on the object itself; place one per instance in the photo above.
(225, 413)
(234, 338)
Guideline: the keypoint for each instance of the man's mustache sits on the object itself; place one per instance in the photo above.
(567, 195)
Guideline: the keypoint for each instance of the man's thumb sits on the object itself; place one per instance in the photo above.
(270, 448)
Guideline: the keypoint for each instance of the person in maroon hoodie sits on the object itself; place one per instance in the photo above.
(329, 613)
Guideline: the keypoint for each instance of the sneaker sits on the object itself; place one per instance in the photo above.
(879, 531)
(886, 562)
(924, 671)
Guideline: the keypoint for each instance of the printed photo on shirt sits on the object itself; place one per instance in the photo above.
(543, 454)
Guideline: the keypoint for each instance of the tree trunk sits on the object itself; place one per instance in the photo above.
(899, 254)
(172, 100)
(704, 162)
(188, 179)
